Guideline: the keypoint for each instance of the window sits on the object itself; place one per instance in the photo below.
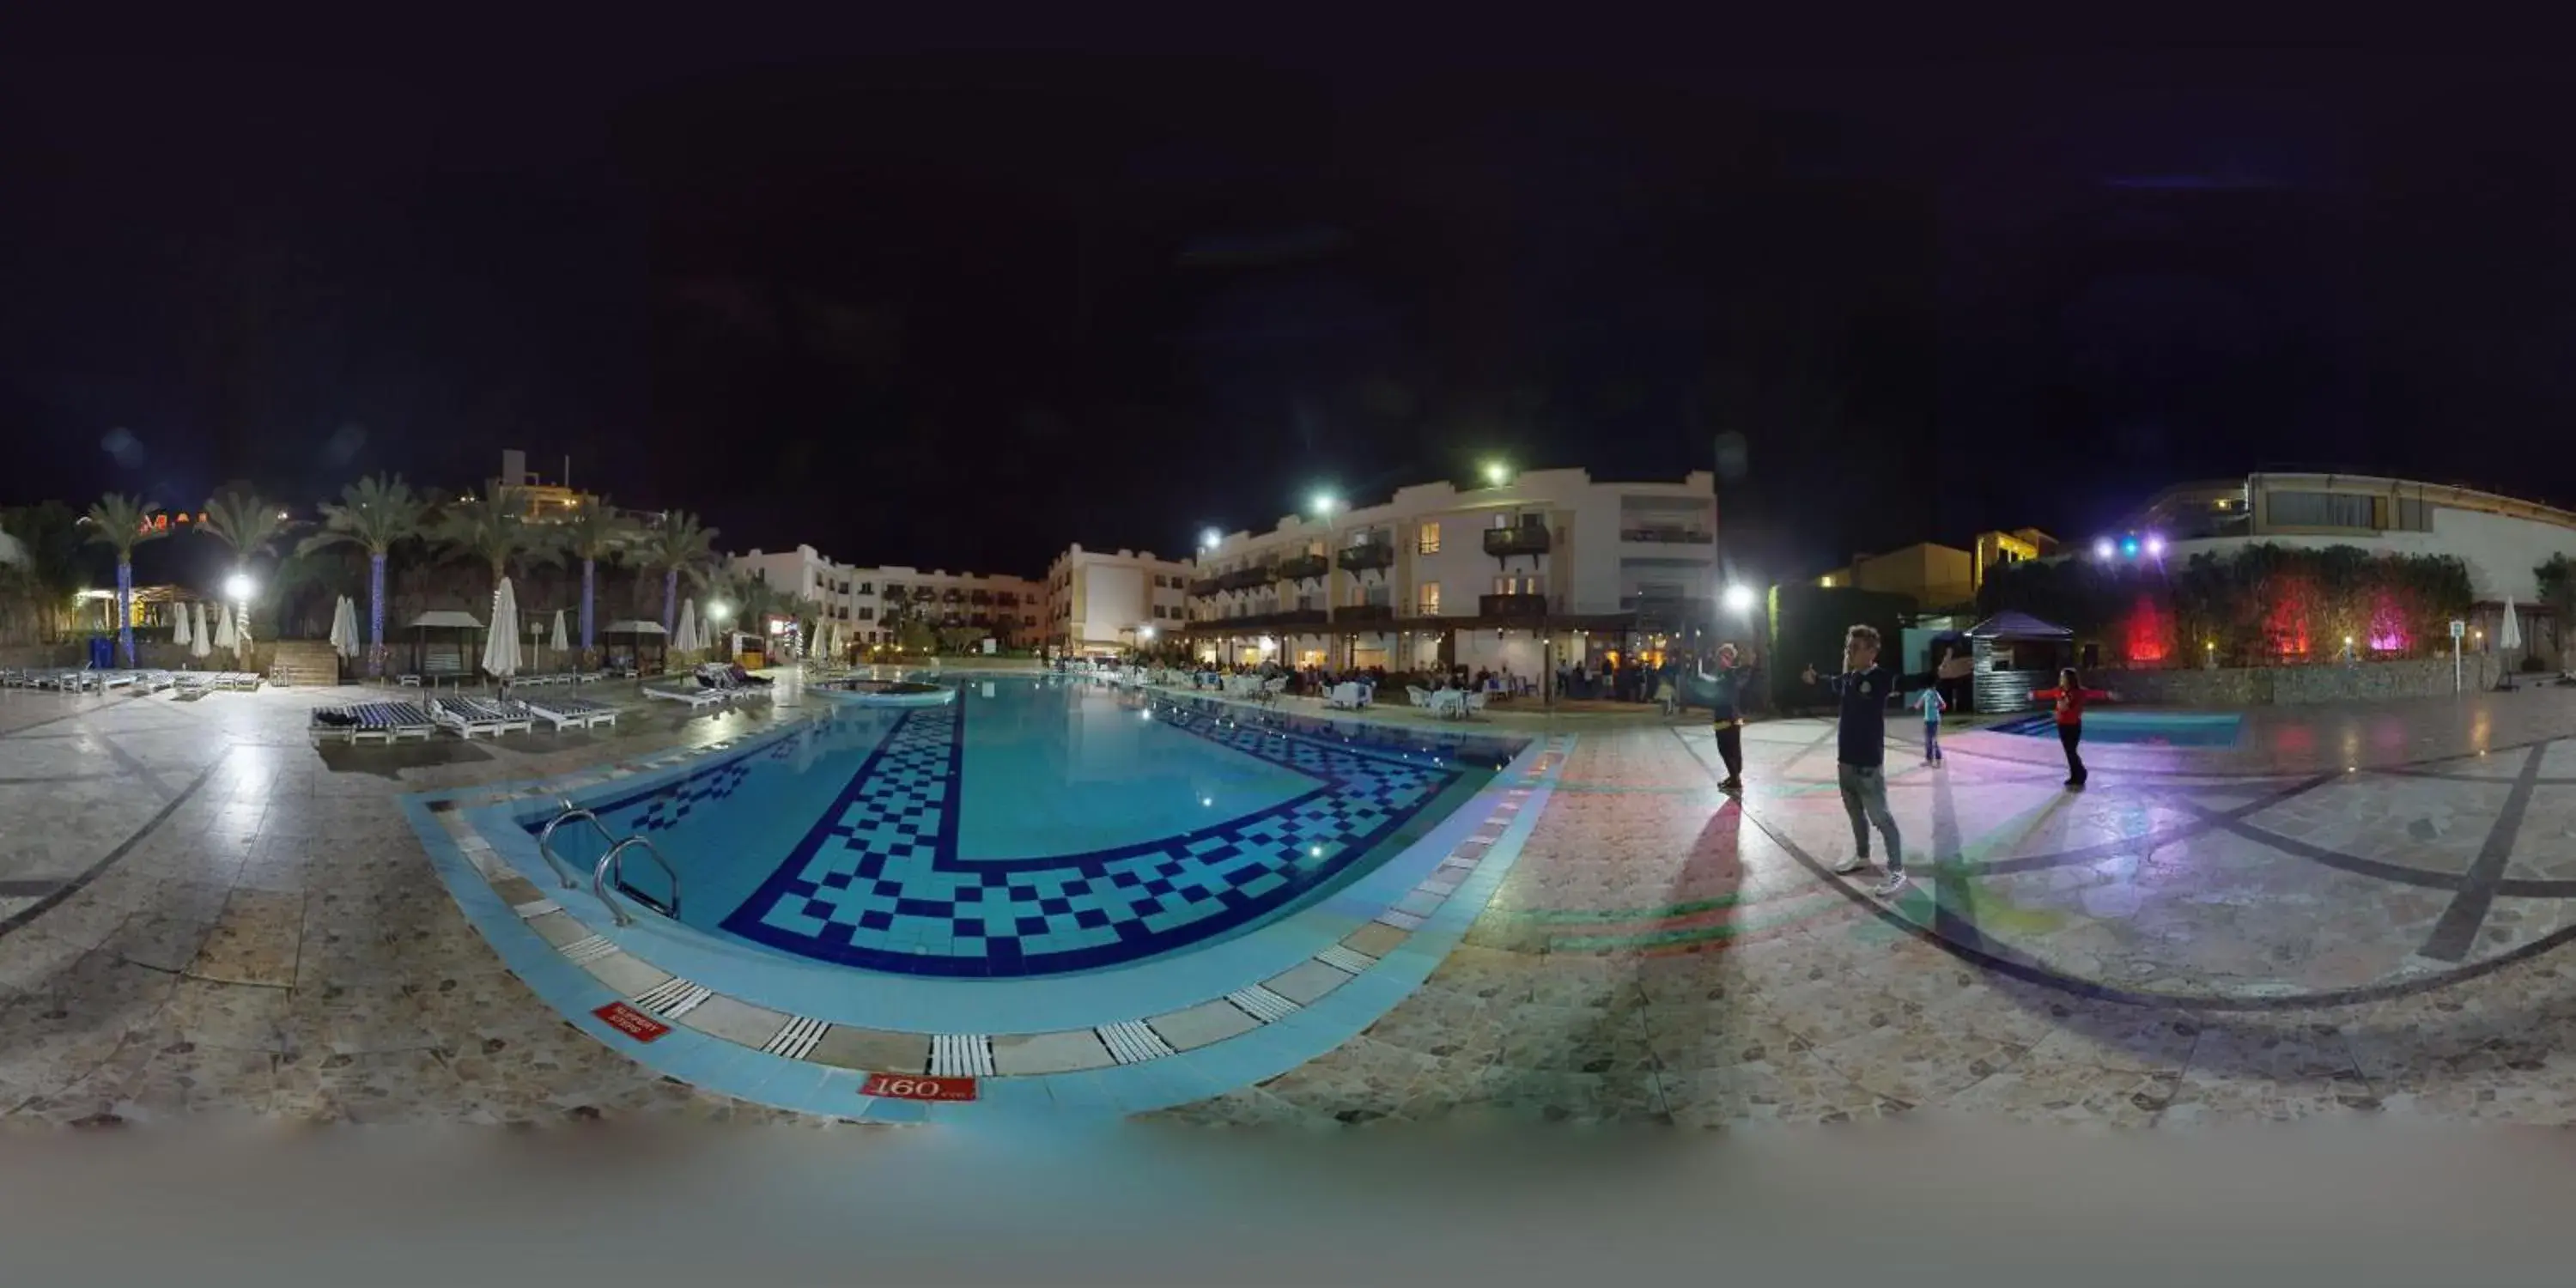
(1517, 586)
(867, 588)
(893, 589)
(1428, 543)
(1427, 599)
(867, 614)
(2321, 510)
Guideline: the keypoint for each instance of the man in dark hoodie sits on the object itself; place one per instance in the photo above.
(1860, 754)
(1726, 705)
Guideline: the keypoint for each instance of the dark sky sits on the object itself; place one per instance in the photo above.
(959, 309)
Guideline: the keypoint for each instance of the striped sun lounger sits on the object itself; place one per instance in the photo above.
(467, 717)
(385, 722)
(571, 713)
(696, 698)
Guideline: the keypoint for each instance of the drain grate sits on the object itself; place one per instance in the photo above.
(673, 997)
(589, 948)
(538, 908)
(1262, 1004)
(961, 1055)
(1132, 1042)
(797, 1039)
(1345, 957)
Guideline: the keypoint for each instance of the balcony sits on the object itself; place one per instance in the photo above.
(1246, 579)
(1349, 613)
(1365, 555)
(1664, 535)
(1669, 613)
(1204, 587)
(1304, 568)
(1518, 539)
(1511, 605)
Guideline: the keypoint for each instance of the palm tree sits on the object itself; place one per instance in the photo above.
(244, 521)
(121, 523)
(675, 547)
(596, 532)
(375, 514)
(493, 528)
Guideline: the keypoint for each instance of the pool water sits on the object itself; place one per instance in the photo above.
(2166, 728)
(1034, 827)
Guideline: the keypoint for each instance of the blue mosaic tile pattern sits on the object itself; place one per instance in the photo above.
(878, 881)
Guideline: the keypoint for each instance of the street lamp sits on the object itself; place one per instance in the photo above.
(239, 588)
(1739, 599)
(2103, 549)
(1497, 474)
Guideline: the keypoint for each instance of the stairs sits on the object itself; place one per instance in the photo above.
(308, 662)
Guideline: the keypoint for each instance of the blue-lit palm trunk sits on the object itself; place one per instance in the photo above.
(670, 600)
(376, 616)
(586, 569)
(125, 610)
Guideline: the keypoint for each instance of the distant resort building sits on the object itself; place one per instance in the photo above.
(2500, 539)
(868, 602)
(1101, 603)
(1941, 578)
(1543, 568)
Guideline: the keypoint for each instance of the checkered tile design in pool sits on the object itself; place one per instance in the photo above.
(878, 881)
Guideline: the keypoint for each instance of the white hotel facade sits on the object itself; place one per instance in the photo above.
(865, 601)
(1541, 569)
(1103, 603)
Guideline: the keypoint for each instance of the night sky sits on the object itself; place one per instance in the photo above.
(960, 309)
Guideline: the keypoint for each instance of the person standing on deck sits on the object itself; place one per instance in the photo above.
(1726, 707)
(2070, 695)
(1861, 746)
(1932, 703)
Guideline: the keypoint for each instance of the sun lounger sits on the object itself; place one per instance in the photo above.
(466, 717)
(696, 698)
(571, 713)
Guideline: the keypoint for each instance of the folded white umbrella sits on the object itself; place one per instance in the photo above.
(200, 644)
(563, 642)
(179, 630)
(2511, 636)
(344, 629)
(501, 643)
(225, 639)
(686, 640)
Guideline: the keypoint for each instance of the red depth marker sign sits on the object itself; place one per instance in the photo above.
(631, 1022)
(911, 1086)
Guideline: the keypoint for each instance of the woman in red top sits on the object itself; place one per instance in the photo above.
(2070, 695)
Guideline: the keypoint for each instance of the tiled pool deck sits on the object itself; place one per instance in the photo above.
(2355, 911)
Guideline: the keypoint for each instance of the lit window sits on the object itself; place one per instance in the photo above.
(1429, 543)
(1428, 598)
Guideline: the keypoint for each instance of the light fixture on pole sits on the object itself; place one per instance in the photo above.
(1497, 474)
(1739, 599)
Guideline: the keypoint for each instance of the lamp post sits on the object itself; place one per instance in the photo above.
(1325, 504)
(238, 590)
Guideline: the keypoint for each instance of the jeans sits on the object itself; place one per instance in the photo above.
(1730, 747)
(2067, 736)
(1931, 741)
(1865, 799)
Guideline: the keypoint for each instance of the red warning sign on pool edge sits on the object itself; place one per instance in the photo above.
(631, 1022)
(912, 1086)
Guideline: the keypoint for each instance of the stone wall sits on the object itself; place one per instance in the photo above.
(2291, 685)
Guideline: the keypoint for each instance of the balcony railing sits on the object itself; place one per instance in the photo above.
(1364, 555)
(1205, 586)
(1511, 605)
(1665, 536)
(1246, 579)
(1518, 539)
(1304, 568)
(1364, 613)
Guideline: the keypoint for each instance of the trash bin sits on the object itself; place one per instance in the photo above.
(102, 653)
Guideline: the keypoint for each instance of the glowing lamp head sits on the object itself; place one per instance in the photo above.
(1208, 540)
(2155, 547)
(239, 587)
(2130, 547)
(1326, 502)
(1146, 633)
(1497, 474)
(2102, 549)
(717, 612)
(1739, 599)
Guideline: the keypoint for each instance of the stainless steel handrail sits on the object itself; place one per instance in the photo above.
(545, 841)
(601, 877)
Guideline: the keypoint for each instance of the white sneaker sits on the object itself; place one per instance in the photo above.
(1888, 888)
(1850, 863)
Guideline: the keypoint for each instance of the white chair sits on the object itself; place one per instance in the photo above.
(1475, 705)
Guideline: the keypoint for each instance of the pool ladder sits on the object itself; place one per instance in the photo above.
(608, 874)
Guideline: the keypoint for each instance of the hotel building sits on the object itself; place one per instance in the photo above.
(1529, 573)
(1097, 602)
(867, 603)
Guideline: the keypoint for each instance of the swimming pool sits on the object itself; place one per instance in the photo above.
(1032, 827)
(2165, 728)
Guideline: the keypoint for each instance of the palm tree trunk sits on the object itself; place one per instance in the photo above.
(586, 566)
(125, 608)
(670, 601)
(376, 615)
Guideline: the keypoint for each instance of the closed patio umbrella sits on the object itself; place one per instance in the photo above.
(179, 627)
(225, 639)
(563, 642)
(200, 644)
(686, 640)
(501, 643)
(344, 629)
